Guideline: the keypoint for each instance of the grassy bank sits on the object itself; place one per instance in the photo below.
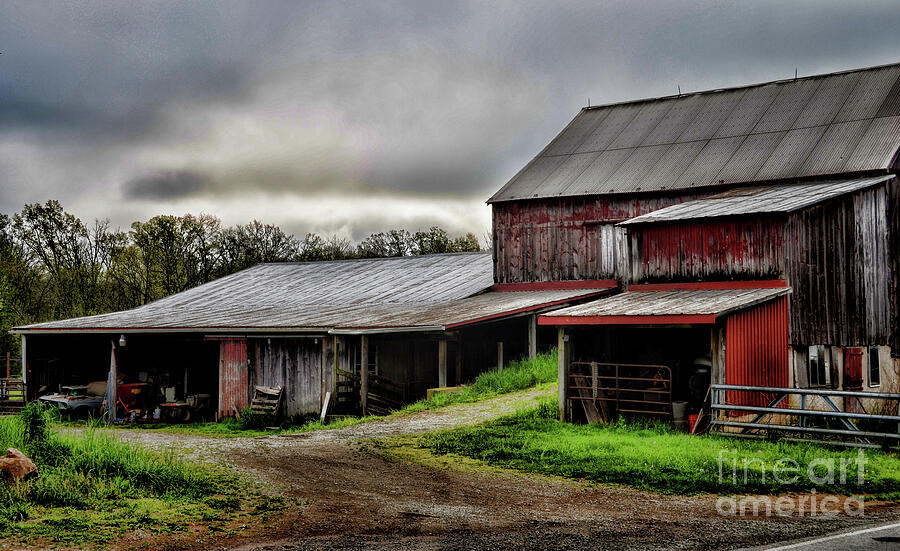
(92, 488)
(655, 458)
(518, 375)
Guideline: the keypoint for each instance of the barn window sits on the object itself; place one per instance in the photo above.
(817, 366)
(874, 367)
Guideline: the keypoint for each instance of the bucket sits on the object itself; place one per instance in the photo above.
(679, 411)
(692, 421)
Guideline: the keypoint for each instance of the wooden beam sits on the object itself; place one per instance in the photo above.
(442, 363)
(562, 371)
(364, 372)
(500, 355)
(532, 336)
(112, 392)
(459, 372)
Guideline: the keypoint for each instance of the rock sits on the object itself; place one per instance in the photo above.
(16, 466)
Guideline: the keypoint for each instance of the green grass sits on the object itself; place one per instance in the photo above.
(92, 488)
(656, 458)
(518, 375)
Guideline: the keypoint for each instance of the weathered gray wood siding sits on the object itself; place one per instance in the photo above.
(295, 364)
(567, 238)
(839, 265)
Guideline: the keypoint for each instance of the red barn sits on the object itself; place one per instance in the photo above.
(753, 230)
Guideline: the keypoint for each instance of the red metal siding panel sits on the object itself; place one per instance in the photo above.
(233, 377)
(756, 350)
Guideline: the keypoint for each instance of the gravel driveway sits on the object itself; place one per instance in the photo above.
(358, 499)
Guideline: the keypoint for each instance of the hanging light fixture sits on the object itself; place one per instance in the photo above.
(122, 341)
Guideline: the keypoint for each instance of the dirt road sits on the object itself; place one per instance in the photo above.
(357, 496)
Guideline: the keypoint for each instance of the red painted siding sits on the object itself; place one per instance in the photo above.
(568, 238)
(233, 382)
(709, 249)
(756, 350)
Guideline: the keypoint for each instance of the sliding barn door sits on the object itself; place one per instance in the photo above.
(233, 377)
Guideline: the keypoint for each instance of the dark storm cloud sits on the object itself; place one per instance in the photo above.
(167, 185)
(212, 103)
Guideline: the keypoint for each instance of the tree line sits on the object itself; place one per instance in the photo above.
(54, 266)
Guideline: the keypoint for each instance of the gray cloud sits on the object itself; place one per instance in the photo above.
(174, 184)
(406, 109)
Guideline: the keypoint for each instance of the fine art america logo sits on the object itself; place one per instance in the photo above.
(736, 471)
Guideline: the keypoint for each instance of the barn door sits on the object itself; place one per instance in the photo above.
(852, 376)
(233, 377)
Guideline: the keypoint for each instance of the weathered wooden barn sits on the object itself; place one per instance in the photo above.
(754, 231)
(373, 333)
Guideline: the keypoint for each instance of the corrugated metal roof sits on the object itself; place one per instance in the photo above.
(406, 292)
(758, 200)
(813, 126)
(694, 302)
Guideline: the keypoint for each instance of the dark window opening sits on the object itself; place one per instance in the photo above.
(874, 367)
(371, 359)
(817, 366)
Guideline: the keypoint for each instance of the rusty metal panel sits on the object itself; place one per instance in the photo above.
(757, 351)
(790, 154)
(748, 112)
(868, 95)
(234, 386)
(707, 164)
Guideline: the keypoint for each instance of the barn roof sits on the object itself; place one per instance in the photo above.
(662, 306)
(758, 200)
(433, 291)
(846, 122)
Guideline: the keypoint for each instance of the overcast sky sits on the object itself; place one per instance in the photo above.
(353, 117)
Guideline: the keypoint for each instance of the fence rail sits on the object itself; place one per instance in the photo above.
(849, 433)
(12, 395)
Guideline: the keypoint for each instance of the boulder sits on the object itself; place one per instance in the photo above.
(16, 466)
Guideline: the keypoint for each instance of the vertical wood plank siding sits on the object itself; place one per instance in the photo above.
(709, 250)
(234, 390)
(295, 364)
(838, 263)
(756, 350)
(567, 238)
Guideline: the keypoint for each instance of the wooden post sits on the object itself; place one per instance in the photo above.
(562, 371)
(442, 363)
(7, 366)
(112, 391)
(532, 336)
(364, 372)
(24, 364)
(500, 355)
(459, 373)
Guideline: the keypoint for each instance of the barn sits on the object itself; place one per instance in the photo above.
(363, 336)
(753, 231)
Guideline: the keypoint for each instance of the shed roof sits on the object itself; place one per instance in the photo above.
(662, 307)
(799, 128)
(433, 291)
(758, 200)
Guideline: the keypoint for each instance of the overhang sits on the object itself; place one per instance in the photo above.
(664, 306)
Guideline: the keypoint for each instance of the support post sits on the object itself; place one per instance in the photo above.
(364, 373)
(532, 336)
(442, 363)
(24, 364)
(500, 355)
(8, 372)
(112, 391)
(562, 371)
(459, 373)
